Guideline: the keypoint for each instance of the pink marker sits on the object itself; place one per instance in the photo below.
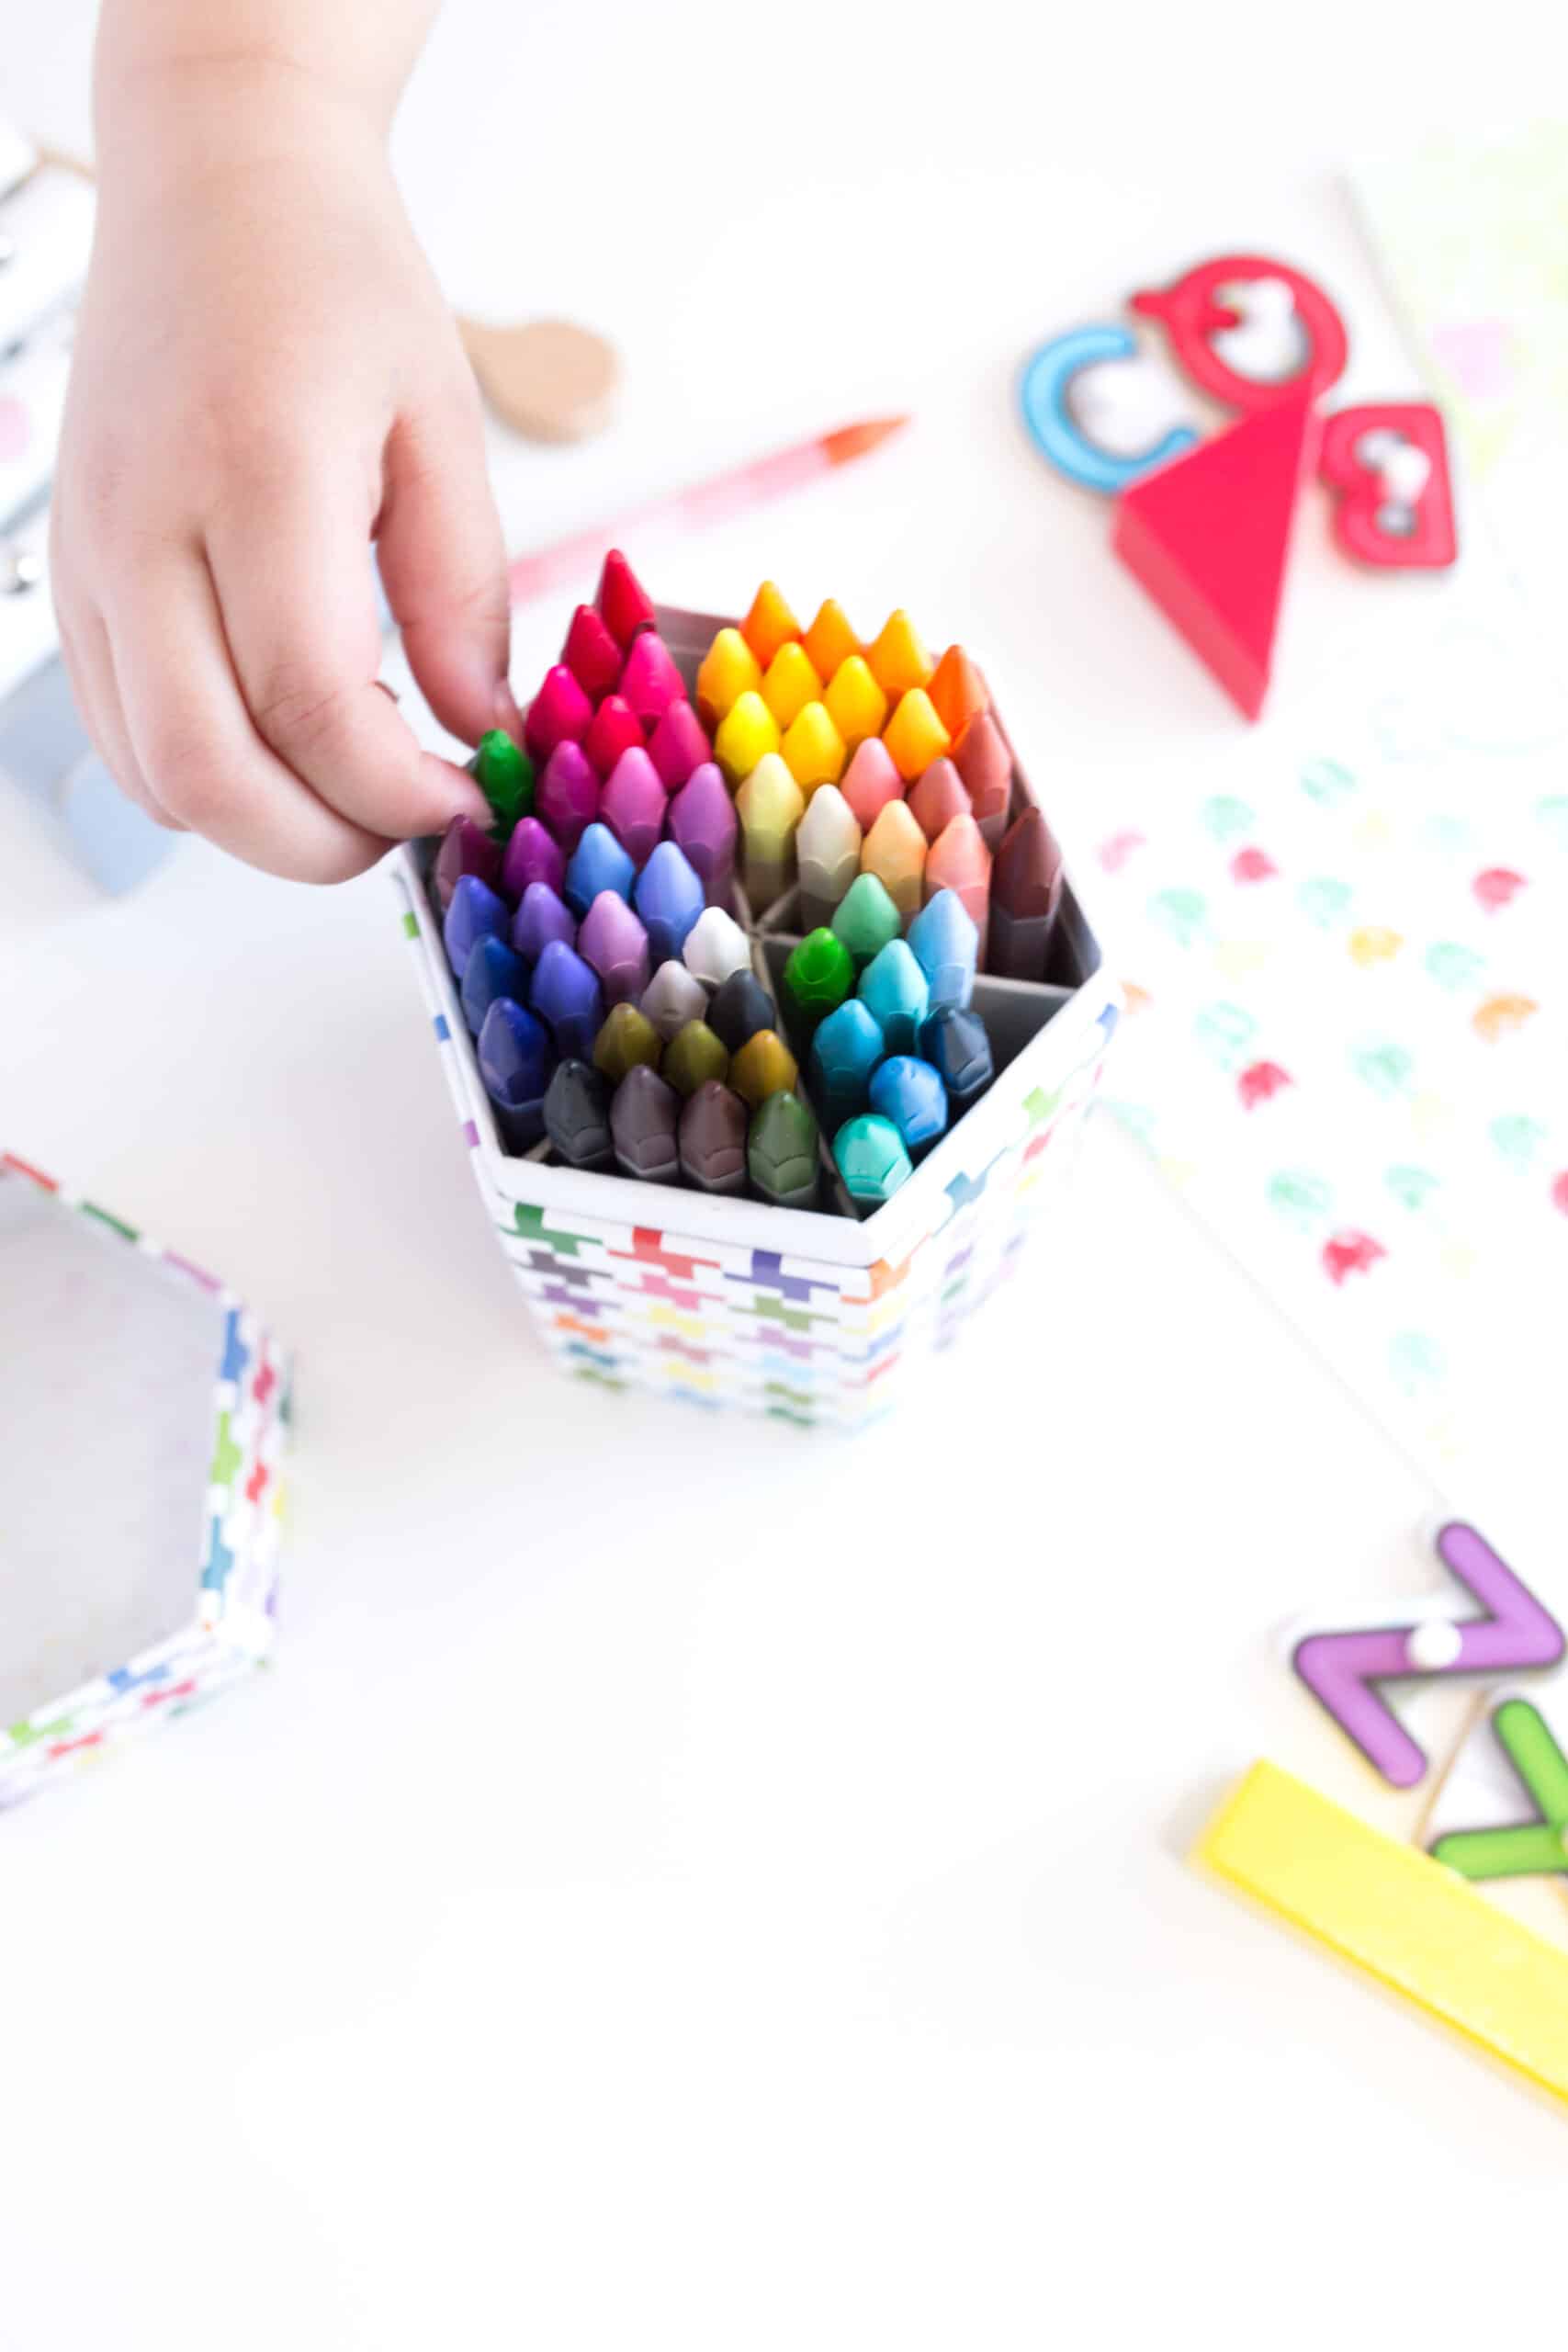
(560, 713)
(704, 824)
(533, 855)
(633, 805)
(568, 794)
(650, 681)
(615, 729)
(678, 746)
(870, 781)
(592, 654)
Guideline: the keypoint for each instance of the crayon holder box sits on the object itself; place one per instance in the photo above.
(142, 1421)
(811, 1315)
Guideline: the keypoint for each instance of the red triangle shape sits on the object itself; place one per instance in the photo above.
(1209, 538)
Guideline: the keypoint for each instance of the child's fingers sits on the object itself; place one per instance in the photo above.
(89, 665)
(443, 567)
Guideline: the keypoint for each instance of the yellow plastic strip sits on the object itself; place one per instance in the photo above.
(1418, 1928)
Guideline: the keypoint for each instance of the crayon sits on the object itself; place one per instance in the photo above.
(715, 946)
(627, 1040)
(729, 670)
(673, 997)
(829, 641)
(560, 713)
(813, 750)
(567, 798)
(896, 992)
(598, 863)
(814, 981)
(464, 850)
(747, 734)
(634, 802)
(645, 1119)
(678, 746)
(577, 1115)
(961, 863)
(895, 850)
(533, 855)
(770, 805)
(624, 602)
(911, 1096)
(789, 683)
(615, 729)
(954, 1042)
(937, 799)
(494, 969)
(514, 1058)
(856, 704)
(957, 691)
(650, 683)
(764, 1066)
(694, 1058)
(826, 852)
(704, 825)
(844, 1052)
(614, 941)
(947, 945)
(781, 1152)
(983, 760)
(865, 920)
(915, 736)
(592, 654)
(899, 661)
(668, 894)
(870, 781)
(769, 624)
(871, 1158)
(712, 1139)
(505, 774)
(740, 1006)
(1026, 892)
(544, 915)
(475, 913)
(566, 995)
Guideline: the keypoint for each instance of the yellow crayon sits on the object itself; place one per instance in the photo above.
(729, 670)
(790, 684)
(770, 805)
(895, 850)
(747, 734)
(898, 660)
(831, 640)
(764, 1066)
(856, 704)
(769, 624)
(813, 751)
(916, 736)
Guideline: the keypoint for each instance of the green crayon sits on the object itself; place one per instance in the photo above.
(692, 1057)
(866, 919)
(627, 1041)
(817, 977)
(781, 1154)
(505, 774)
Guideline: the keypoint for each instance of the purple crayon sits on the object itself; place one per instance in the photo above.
(678, 746)
(464, 850)
(566, 994)
(566, 797)
(633, 803)
(615, 943)
(645, 1122)
(650, 681)
(704, 825)
(474, 914)
(544, 915)
(533, 855)
(669, 897)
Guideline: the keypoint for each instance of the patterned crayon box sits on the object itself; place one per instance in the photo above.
(808, 1316)
(142, 1419)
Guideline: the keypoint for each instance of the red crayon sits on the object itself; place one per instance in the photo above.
(678, 746)
(939, 798)
(624, 602)
(615, 729)
(590, 653)
(982, 760)
(560, 713)
(961, 863)
(1026, 892)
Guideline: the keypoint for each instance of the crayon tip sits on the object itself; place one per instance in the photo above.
(567, 996)
(957, 691)
(856, 704)
(866, 919)
(590, 653)
(495, 971)
(505, 774)
(544, 915)
(624, 603)
(895, 850)
(955, 1042)
(870, 781)
(817, 977)
(599, 863)
(614, 730)
(568, 797)
(533, 855)
(789, 683)
(915, 736)
(740, 1006)
(645, 1119)
(782, 1153)
(577, 1115)
(852, 441)
(764, 1066)
(770, 623)
(668, 894)
(465, 849)
(945, 943)
(844, 1052)
(1026, 879)
(650, 681)
(911, 1095)
(871, 1158)
(715, 946)
(514, 1058)
(729, 670)
(673, 997)
(561, 712)
(830, 639)
(747, 733)
(983, 760)
(898, 994)
(712, 1139)
(693, 1059)
(614, 941)
(938, 797)
(476, 913)
(627, 1040)
(813, 750)
(898, 659)
(632, 804)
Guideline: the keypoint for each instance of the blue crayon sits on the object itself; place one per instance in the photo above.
(544, 915)
(954, 1042)
(898, 993)
(515, 1061)
(872, 1159)
(493, 971)
(845, 1050)
(598, 863)
(568, 998)
(476, 913)
(912, 1095)
(946, 947)
(669, 897)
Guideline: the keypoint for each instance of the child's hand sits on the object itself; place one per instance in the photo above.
(265, 378)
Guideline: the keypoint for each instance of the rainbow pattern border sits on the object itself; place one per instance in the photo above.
(234, 1579)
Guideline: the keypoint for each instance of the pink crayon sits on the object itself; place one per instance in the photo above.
(592, 654)
(870, 781)
(633, 805)
(560, 713)
(981, 757)
(678, 746)
(939, 798)
(568, 794)
(613, 939)
(704, 824)
(615, 729)
(533, 855)
(650, 681)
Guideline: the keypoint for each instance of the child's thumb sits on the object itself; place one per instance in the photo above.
(443, 568)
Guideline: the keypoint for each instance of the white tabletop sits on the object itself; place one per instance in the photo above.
(683, 1880)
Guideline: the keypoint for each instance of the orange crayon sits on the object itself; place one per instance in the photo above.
(769, 624)
(939, 798)
(957, 691)
(829, 641)
(870, 781)
(895, 850)
(982, 760)
(916, 736)
(961, 863)
(898, 660)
